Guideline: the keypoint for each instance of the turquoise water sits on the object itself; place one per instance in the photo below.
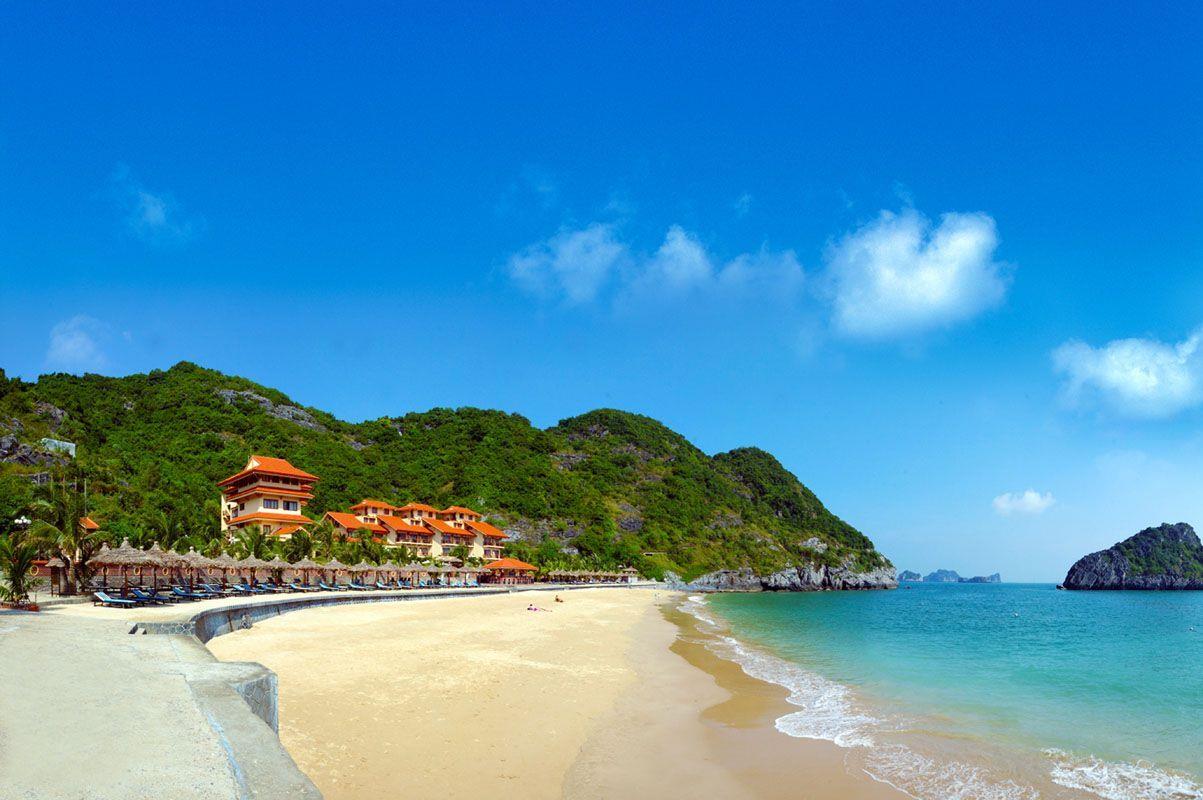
(1100, 691)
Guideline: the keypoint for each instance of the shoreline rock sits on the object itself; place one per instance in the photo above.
(1168, 557)
(803, 578)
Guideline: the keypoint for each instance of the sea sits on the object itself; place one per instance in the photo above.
(1008, 691)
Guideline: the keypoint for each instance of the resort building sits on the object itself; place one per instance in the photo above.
(349, 525)
(369, 510)
(268, 492)
(400, 532)
(425, 530)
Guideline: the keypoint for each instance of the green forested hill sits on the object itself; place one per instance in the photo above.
(608, 482)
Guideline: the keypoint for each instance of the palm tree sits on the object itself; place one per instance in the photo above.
(17, 554)
(300, 545)
(252, 541)
(322, 534)
(57, 527)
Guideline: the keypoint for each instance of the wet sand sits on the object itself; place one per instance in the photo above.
(610, 695)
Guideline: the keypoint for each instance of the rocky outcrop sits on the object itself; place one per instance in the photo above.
(796, 579)
(1165, 557)
(995, 578)
(942, 576)
(906, 576)
(12, 451)
(293, 414)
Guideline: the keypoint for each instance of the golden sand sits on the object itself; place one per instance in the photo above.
(601, 697)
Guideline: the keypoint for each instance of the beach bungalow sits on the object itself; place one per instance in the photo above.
(508, 572)
(268, 492)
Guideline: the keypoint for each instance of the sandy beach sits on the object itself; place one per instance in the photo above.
(606, 695)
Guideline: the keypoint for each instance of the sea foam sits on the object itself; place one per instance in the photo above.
(1120, 780)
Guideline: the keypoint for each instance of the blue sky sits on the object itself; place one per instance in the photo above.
(945, 262)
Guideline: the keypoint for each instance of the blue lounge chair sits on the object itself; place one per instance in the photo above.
(382, 586)
(301, 587)
(145, 597)
(103, 599)
(359, 587)
(327, 587)
(184, 594)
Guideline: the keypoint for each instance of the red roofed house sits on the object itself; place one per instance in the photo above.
(369, 510)
(349, 525)
(268, 492)
(458, 515)
(509, 571)
(401, 532)
(491, 539)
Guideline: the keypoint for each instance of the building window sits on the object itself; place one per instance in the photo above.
(290, 505)
(271, 503)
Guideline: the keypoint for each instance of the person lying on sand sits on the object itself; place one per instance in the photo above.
(533, 607)
(558, 600)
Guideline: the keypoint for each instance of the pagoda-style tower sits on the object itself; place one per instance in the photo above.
(268, 492)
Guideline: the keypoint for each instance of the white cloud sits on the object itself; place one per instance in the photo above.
(75, 345)
(574, 263)
(578, 264)
(681, 263)
(154, 217)
(743, 205)
(1136, 377)
(897, 275)
(1029, 502)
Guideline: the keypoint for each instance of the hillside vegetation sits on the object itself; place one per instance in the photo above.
(607, 483)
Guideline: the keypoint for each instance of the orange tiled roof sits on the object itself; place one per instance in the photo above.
(270, 516)
(88, 524)
(403, 526)
(442, 527)
(511, 563)
(282, 491)
(287, 530)
(352, 522)
(417, 507)
(375, 503)
(271, 466)
(485, 529)
(459, 510)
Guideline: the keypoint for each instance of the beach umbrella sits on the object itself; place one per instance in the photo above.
(123, 556)
(253, 563)
(161, 559)
(364, 567)
(334, 565)
(194, 561)
(224, 562)
(306, 565)
(278, 565)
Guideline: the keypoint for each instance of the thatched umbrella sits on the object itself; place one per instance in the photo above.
(306, 565)
(334, 565)
(124, 556)
(224, 562)
(253, 563)
(194, 562)
(162, 559)
(278, 565)
(364, 567)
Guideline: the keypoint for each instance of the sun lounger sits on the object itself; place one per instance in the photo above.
(359, 587)
(145, 597)
(383, 586)
(300, 587)
(184, 594)
(103, 599)
(327, 587)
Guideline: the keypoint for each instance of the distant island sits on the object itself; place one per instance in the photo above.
(945, 576)
(1165, 557)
